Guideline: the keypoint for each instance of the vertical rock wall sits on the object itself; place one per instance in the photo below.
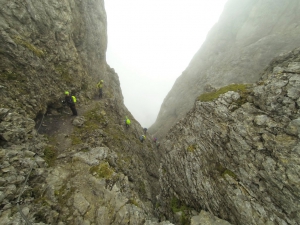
(47, 47)
(241, 162)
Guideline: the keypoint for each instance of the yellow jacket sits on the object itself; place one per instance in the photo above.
(100, 85)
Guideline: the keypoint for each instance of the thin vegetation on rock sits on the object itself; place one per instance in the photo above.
(242, 89)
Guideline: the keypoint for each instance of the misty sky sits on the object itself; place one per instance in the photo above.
(151, 42)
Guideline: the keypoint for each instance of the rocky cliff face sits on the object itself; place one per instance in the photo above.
(247, 37)
(58, 169)
(87, 170)
(50, 47)
(238, 155)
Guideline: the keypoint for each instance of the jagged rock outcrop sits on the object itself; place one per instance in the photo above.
(49, 47)
(205, 218)
(247, 37)
(88, 170)
(240, 159)
(240, 162)
(84, 184)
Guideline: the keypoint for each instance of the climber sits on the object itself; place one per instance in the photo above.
(142, 138)
(155, 139)
(70, 101)
(100, 86)
(145, 130)
(127, 122)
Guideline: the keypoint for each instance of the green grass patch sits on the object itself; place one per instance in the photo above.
(85, 150)
(133, 202)
(50, 155)
(178, 206)
(29, 46)
(230, 173)
(75, 140)
(191, 148)
(63, 194)
(9, 75)
(184, 220)
(94, 121)
(51, 139)
(223, 171)
(103, 170)
(242, 89)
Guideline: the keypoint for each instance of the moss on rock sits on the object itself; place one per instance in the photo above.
(50, 155)
(31, 47)
(191, 148)
(242, 89)
(102, 170)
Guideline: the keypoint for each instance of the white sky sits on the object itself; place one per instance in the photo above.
(151, 42)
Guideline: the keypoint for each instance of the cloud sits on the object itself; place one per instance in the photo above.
(150, 43)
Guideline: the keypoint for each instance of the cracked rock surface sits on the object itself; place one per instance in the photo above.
(241, 162)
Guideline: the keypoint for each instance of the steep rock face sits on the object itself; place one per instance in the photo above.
(99, 174)
(247, 37)
(48, 47)
(241, 162)
(84, 170)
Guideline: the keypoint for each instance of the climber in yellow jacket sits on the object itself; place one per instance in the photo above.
(100, 87)
(127, 122)
(70, 101)
(142, 138)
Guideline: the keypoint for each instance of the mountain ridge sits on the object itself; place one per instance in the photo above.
(246, 38)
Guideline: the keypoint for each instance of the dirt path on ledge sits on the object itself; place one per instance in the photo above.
(58, 127)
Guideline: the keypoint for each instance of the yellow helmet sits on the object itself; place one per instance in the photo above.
(66, 92)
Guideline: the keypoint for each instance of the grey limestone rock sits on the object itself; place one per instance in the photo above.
(95, 155)
(80, 203)
(205, 218)
(149, 222)
(243, 164)
(102, 216)
(47, 48)
(248, 35)
(51, 47)
(79, 121)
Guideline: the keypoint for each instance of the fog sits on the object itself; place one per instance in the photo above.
(151, 42)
